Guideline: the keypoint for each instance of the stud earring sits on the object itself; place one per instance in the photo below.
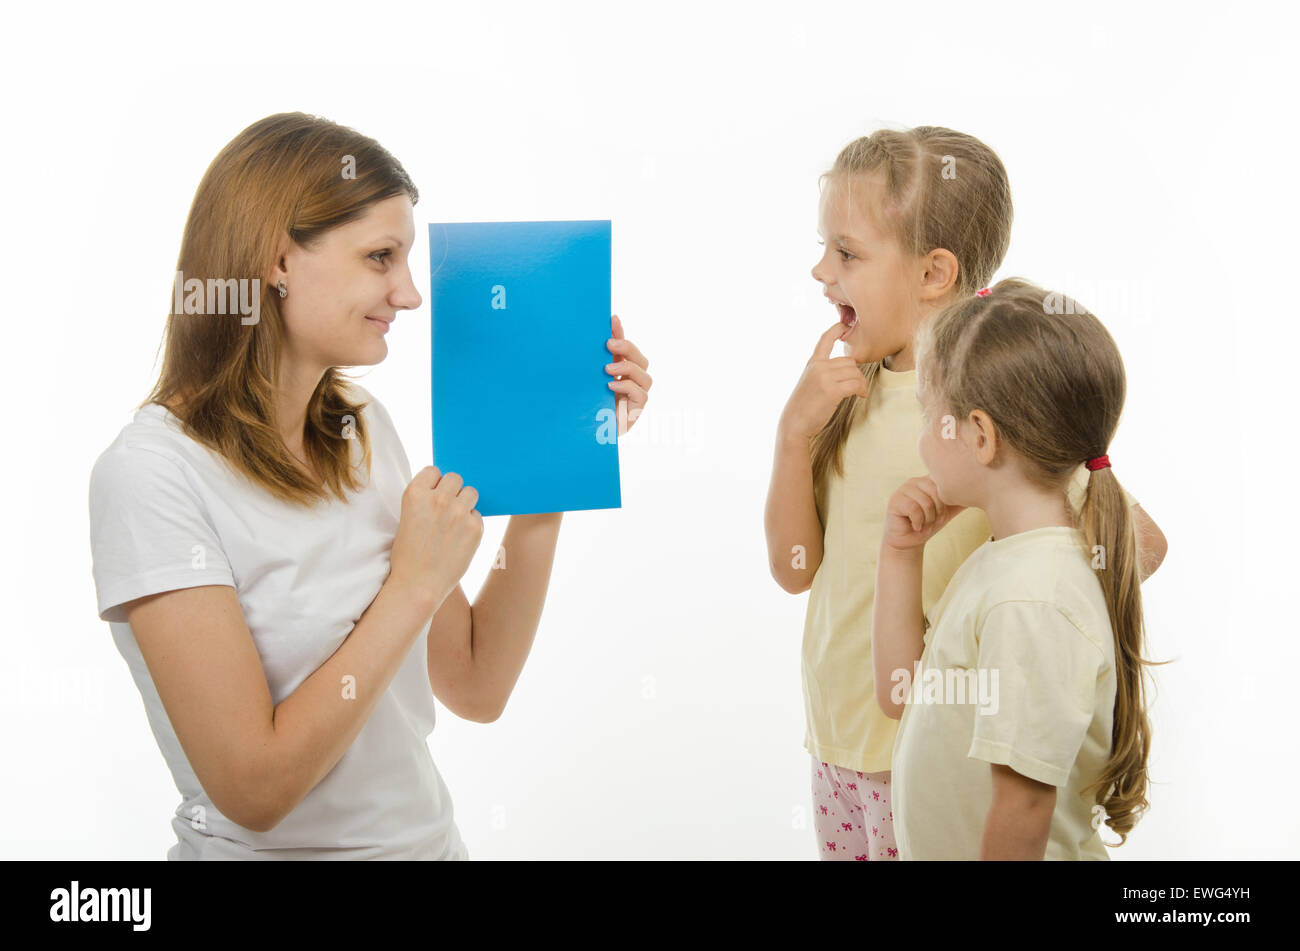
(284, 291)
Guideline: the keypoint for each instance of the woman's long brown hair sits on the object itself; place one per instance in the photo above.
(286, 174)
(1050, 377)
(948, 190)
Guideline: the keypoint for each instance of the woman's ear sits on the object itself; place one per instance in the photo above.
(985, 442)
(279, 270)
(938, 274)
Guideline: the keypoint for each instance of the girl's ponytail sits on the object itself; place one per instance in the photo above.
(1109, 536)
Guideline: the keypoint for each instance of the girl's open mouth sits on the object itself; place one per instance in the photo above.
(848, 316)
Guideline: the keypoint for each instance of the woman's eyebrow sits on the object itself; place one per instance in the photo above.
(390, 239)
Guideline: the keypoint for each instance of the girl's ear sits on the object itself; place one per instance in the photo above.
(985, 443)
(938, 274)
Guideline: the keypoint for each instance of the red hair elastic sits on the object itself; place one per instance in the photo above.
(985, 292)
(1101, 462)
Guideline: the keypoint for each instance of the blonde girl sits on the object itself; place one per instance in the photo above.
(911, 221)
(1024, 725)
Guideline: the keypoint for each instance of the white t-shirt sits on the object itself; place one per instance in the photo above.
(167, 513)
(1018, 669)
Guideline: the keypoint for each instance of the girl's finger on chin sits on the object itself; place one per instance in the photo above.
(924, 502)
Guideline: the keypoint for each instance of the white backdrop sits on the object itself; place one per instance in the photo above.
(659, 716)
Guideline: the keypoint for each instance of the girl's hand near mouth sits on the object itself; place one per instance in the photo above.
(826, 380)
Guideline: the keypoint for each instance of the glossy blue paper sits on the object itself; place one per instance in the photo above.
(521, 407)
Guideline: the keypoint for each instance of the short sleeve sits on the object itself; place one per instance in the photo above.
(1078, 487)
(1042, 672)
(149, 530)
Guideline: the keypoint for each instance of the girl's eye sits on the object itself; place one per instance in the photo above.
(380, 255)
(844, 255)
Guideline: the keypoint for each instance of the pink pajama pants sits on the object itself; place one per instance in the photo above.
(851, 814)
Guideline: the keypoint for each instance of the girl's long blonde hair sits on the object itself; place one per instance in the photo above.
(943, 189)
(1050, 377)
(283, 175)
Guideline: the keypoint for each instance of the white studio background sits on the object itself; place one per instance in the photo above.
(659, 716)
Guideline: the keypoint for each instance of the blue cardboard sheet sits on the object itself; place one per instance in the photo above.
(521, 406)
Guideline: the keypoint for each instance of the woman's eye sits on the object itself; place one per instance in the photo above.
(380, 255)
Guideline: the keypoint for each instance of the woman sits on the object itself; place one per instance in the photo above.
(285, 594)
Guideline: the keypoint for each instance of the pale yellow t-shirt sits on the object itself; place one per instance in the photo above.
(1018, 669)
(844, 724)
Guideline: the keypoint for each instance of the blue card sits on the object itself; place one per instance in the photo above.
(521, 407)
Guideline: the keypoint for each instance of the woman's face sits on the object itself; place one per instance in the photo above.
(345, 291)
